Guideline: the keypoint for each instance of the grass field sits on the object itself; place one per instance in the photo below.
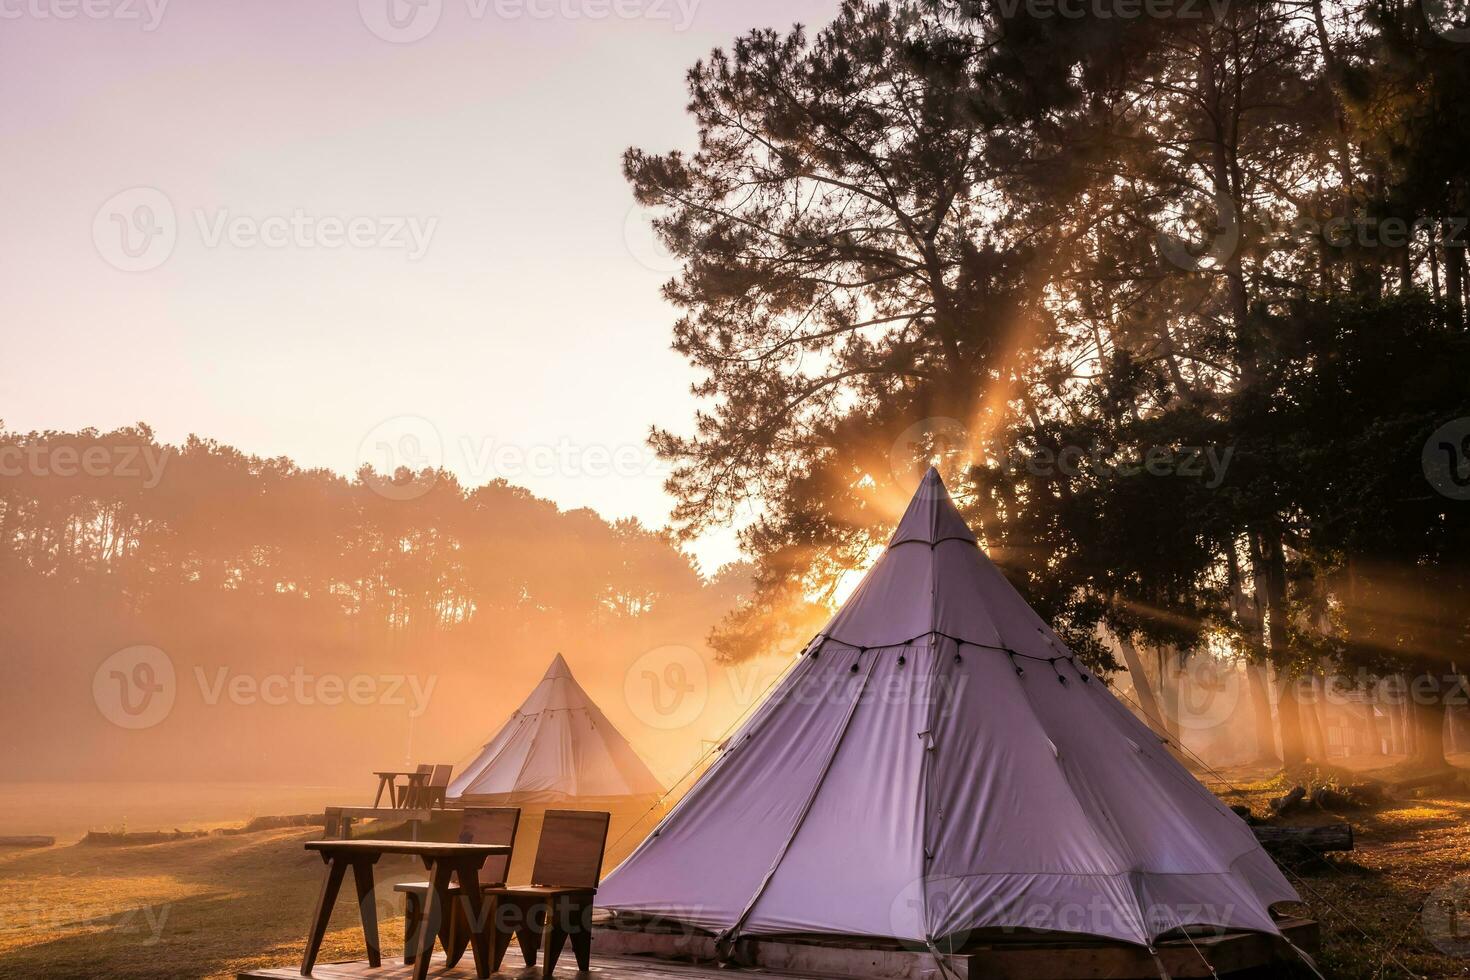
(215, 905)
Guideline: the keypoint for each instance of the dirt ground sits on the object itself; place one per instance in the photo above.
(215, 905)
(1387, 907)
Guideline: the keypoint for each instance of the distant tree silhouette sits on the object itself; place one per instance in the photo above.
(256, 566)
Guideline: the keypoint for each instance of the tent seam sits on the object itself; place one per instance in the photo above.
(926, 779)
(496, 757)
(1072, 791)
(731, 934)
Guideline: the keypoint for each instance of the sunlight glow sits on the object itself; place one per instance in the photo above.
(848, 581)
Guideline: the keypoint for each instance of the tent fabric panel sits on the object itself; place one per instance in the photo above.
(930, 517)
(496, 768)
(611, 767)
(1134, 907)
(550, 764)
(859, 841)
(944, 580)
(1001, 798)
(1099, 905)
(706, 861)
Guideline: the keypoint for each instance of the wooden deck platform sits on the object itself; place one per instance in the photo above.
(999, 957)
(630, 955)
(603, 968)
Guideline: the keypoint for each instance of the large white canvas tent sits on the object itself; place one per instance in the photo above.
(557, 746)
(937, 762)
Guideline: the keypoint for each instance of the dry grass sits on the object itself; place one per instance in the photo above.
(216, 905)
(1369, 900)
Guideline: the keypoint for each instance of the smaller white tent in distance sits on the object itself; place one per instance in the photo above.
(937, 763)
(558, 748)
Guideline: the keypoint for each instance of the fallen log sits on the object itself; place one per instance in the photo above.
(27, 841)
(1311, 840)
(1283, 804)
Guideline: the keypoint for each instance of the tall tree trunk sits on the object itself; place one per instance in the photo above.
(1289, 711)
(1432, 250)
(1170, 676)
(1396, 711)
(1314, 725)
(1266, 753)
(1427, 713)
(1147, 702)
(1454, 286)
(1248, 616)
(1269, 560)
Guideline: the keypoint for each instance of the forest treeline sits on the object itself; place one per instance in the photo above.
(234, 566)
(1174, 294)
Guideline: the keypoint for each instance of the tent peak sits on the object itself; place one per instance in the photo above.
(931, 516)
(558, 745)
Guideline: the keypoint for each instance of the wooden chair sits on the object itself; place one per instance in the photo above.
(438, 785)
(557, 905)
(487, 825)
(335, 826)
(408, 795)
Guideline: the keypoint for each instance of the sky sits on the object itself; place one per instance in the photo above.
(388, 231)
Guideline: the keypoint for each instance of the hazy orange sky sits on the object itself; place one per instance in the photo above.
(347, 231)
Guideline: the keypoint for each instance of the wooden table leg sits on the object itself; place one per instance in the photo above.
(367, 906)
(331, 885)
(436, 905)
(475, 911)
(379, 798)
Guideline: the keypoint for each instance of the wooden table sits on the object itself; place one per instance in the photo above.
(387, 780)
(442, 861)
